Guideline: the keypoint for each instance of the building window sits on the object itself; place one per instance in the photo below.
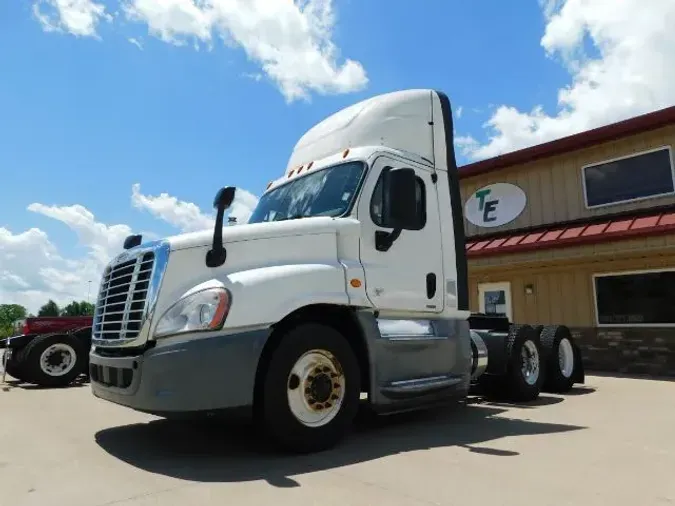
(379, 203)
(635, 177)
(635, 299)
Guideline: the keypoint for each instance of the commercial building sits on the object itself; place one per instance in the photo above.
(581, 231)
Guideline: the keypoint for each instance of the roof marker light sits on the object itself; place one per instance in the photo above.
(345, 153)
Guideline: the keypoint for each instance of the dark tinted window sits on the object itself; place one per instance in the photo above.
(638, 299)
(645, 175)
(378, 203)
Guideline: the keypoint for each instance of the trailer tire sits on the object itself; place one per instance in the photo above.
(38, 364)
(16, 368)
(560, 357)
(524, 371)
(311, 389)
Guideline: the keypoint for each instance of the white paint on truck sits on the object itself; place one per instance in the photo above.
(350, 277)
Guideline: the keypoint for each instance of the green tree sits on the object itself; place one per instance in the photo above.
(51, 308)
(9, 313)
(87, 308)
(82, 308)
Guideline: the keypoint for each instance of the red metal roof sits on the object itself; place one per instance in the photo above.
(632, 126)
(573, 235)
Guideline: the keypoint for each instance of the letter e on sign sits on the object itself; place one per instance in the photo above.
(495, 205)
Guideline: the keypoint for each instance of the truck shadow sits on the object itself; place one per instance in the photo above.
(223, 453)
(80, 381)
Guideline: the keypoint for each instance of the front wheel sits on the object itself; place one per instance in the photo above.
(15, 367)
(54, 360)
(311, 389)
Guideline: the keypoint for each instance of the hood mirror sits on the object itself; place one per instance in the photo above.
(217, 255)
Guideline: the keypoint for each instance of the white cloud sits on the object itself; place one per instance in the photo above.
(135, 42)
(183, 215)
(32, 270)
(243, 205)
(632, 74)
(102, 240)
(186, 216)
(77, 17)
(290, 40)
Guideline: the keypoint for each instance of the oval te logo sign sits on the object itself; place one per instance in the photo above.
(495, 205)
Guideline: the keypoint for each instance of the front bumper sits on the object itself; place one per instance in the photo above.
(207, 374)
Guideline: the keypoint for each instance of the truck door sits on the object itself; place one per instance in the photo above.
(417, 357)
(408, 276)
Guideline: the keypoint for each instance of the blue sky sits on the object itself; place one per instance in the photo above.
(84, 119)
(84, 116)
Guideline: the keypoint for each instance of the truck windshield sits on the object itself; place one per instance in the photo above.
(326, 192)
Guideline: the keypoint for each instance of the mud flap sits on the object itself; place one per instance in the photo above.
(579, 373)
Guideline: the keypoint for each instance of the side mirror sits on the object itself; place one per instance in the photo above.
(224, 198)
(132, 241)
(217, 255)
(402, 196)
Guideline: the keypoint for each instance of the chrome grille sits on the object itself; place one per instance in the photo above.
(123, 298)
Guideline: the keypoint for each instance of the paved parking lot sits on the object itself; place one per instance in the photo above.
(610, 443)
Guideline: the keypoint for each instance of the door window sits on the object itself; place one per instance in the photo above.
(379, 202)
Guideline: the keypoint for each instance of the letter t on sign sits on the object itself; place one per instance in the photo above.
(487, 207)
(480, 195)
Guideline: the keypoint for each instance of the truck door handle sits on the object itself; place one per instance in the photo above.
(431, 285)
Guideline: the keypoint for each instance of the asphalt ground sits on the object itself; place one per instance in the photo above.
(610, 442)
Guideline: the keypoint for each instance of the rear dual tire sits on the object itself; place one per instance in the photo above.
(561, 358)
(311, 389)
(524, 376)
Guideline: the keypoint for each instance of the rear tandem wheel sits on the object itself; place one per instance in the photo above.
(524, 375)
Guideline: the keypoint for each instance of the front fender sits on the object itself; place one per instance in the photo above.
(265, 295)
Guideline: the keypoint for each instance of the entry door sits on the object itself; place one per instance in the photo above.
(495, 298)
(408, 277)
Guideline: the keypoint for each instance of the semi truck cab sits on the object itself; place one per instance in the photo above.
(350, 277)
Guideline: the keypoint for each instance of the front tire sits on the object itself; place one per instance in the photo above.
(54, 360)
(16, 368)
(311, 389)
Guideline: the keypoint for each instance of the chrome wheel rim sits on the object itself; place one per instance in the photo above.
(315, 388)
(566, 357)
(529, 362)
(58, 359)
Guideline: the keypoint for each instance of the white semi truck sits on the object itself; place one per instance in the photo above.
(349, 278)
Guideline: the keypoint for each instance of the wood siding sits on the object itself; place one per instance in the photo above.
(554, 185)
(563, 279)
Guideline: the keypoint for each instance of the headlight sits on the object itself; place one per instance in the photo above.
(201, 311)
